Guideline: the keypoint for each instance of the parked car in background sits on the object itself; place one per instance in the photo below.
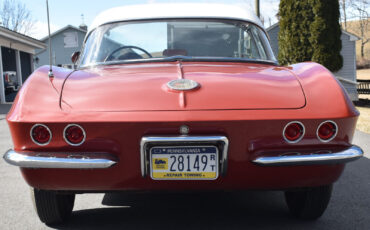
(181, 97)
(10, 81)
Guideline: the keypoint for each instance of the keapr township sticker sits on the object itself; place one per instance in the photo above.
(182, 84)
(160, 164)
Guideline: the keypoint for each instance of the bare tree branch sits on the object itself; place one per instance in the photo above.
(15, 16)
(361, 13)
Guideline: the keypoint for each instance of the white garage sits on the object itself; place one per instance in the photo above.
(16, 62)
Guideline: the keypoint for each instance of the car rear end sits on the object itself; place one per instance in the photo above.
(120, 154)
(206, 107)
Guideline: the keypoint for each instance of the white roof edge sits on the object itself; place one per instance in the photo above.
(23, 39)
(62, 29)
(352, 37)
(175, 10)
(272, 26)
(348, 81)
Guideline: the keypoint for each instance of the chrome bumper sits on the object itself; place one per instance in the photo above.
(54, 160)
(350, 154)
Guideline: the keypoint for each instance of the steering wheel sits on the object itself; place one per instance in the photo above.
(109, 57)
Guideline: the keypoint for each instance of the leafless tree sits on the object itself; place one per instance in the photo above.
(15, 16)
(361, 12)
(343, 8)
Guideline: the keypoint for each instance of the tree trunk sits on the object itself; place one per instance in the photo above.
(362, 49)
(344, 14)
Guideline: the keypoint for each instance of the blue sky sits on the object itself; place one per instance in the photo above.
(64, 12)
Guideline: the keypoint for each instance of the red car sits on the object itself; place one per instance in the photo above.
(181, 97)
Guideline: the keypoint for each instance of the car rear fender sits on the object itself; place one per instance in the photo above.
(41, 92)
(324, 93)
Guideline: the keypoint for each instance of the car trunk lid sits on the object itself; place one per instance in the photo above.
(143, 87)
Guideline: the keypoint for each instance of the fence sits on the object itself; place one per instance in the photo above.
(363, 87)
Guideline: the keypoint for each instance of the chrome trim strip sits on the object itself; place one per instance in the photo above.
(336, 131)
(65, 138)
(41, 161)
(299, 139)
(350, 154)
(37, 143)
(183, 139)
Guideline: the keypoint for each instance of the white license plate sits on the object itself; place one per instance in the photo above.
(184, 163)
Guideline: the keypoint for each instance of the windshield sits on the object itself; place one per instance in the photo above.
(151, 40)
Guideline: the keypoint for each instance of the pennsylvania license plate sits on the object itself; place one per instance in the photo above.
(184, 163)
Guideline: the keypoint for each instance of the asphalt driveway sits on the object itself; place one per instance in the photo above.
(349, 207)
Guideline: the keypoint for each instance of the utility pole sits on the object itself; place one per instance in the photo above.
(258, 8)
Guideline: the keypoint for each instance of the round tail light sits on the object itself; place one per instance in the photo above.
(293, 132)
(74, 135)
(327, 131)
(41, 134)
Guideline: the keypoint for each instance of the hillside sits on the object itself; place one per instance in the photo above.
(352, 27)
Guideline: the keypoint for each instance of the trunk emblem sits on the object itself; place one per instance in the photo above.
(184, 130)
(183, 84)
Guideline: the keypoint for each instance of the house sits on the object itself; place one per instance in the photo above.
(64, 43)
(16, 61)
(347, 75)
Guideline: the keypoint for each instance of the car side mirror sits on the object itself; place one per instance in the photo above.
(75, 57)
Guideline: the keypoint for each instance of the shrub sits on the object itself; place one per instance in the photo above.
(310, 31)
(295, 20)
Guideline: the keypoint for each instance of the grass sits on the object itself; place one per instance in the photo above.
(363, 123)
(363, 74)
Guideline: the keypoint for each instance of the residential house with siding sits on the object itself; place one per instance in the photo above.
(64, 43)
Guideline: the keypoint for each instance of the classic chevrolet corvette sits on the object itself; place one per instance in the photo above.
(181, 97)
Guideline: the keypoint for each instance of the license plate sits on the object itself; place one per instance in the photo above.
(184, 163)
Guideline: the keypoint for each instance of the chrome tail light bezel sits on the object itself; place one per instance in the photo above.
(300, 138)
(66, 139)
(331, 138)
(36, 142)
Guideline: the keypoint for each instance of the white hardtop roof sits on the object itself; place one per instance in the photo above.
(175, 10)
